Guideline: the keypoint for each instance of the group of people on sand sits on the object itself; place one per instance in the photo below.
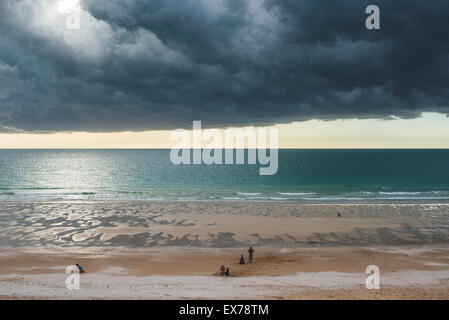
(225, 271)
(250, 256)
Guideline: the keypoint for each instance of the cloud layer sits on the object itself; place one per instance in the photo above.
(138, 65)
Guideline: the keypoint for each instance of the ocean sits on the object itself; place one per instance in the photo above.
(148, 175)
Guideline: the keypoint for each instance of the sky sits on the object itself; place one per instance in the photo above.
(135, 70)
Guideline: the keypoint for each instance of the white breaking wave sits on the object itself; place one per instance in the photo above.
(296, 193)
(249, 193)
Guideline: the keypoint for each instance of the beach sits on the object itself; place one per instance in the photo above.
(313, 273)
(173, 250)
(149, 148)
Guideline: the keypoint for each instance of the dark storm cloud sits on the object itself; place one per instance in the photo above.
(161, 64)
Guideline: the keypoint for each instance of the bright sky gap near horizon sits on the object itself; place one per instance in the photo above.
(429, 131)
(135, 70)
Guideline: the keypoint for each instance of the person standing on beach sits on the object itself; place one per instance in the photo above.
(250, 251)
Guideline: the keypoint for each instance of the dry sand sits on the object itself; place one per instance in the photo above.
(173, 250)
(313, 273)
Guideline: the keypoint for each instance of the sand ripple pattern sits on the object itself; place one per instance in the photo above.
(219, 225)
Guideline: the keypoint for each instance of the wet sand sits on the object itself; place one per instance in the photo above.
(220, 224)
(172, 250)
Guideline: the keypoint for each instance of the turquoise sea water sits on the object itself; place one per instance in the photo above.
(303, 175)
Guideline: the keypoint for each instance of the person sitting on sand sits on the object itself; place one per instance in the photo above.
(227, 273)
(80, 268)
(222, 270)
(242, 260)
